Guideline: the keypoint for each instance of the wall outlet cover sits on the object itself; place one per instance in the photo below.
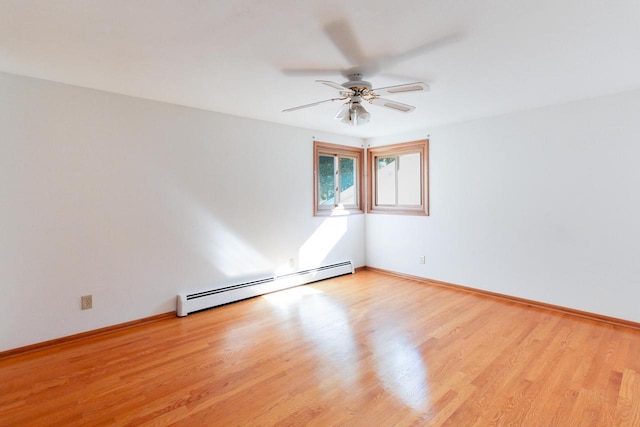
(86, 302)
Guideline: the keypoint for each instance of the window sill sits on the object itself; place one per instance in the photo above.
(383, 211)
(338, 212)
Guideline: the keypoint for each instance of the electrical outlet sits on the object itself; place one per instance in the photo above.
(292, 263)
(422, 260)
(86, 302)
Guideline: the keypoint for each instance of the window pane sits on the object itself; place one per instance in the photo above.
(399, 179)
(386, 180)
(326, 181)
(348, 194)
(337, 176)
(409, 179)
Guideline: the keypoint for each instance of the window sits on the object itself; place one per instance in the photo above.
(399, 179)
(337, 178)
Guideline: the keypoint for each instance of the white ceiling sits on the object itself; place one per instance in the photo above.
(481, 57)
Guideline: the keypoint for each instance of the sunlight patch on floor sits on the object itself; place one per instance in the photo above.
(288, 298)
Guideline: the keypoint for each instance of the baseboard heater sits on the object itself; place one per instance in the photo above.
(190, 303)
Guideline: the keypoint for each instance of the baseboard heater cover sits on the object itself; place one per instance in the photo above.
(190, 303)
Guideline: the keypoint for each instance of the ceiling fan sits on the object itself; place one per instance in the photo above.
(356, 91)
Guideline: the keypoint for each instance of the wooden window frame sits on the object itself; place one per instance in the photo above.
(337, 150)
(421, 147)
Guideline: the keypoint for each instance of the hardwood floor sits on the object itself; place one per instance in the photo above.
(360, 350)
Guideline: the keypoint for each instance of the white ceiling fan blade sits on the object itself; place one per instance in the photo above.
(405, 88)
(393, 105)
(343, 37)
(386, 62)
(313, 104)
(303, 72)
(336, 86)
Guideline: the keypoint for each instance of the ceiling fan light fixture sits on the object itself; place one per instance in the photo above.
(348, 118)
(355, 115)
(343, 112)
(362, 115)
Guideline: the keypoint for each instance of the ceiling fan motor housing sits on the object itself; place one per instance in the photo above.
(356, 83)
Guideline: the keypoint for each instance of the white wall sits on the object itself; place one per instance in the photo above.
(133, 201)
(542, 204)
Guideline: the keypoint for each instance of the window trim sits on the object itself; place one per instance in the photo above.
(422, 147)
(337, 150)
